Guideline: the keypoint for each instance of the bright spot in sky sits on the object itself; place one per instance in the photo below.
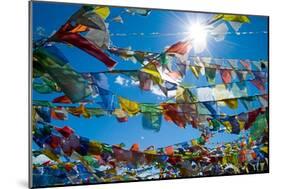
(142, 137)
(198, 35)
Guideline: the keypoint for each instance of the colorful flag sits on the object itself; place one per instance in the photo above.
(181, 48)
(226, 75)
(130, 107)
(79, 41)
(62, 99)
(70, 82)
(210, 74)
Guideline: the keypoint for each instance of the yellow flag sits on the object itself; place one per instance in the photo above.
(233, 18)
(119, 113)
(228, 126)
(264, 149)
(231, 103)
(195, 70)
(180, 95)
(241, 125)
(102, 11)
(131, 107)
(54, 167)
(151, 69)
(194, 142)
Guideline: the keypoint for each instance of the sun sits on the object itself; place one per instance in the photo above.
(198, 34)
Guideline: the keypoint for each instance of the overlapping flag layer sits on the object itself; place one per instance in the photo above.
(239, 86)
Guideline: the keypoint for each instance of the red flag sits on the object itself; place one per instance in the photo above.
(65, 131)
(226, 75)
(252, 116)
(135, 148)
(169, 150)
(79, 41)
(246, 64)
(62, 99)
(181, 47)
(171, 113)
(259, 84)
(59, 113)
(54, 141)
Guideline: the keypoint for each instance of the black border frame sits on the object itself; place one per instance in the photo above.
(30, 65)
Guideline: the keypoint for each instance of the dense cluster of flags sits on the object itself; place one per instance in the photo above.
(231, 83)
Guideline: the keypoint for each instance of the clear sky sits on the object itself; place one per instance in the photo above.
(51, 16)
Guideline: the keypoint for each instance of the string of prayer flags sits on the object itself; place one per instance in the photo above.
(220, 63)
(78, 146)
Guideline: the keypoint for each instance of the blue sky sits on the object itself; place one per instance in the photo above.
(51, 16)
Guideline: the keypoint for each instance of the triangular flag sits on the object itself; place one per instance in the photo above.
(195, 70)
(210, 74)
(226, 75)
